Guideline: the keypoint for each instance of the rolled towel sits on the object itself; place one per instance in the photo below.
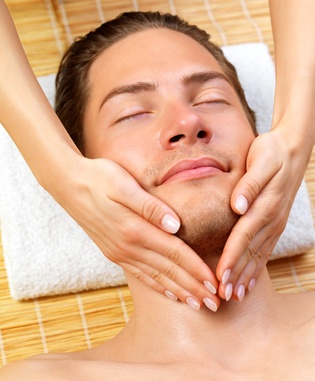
(47, 253)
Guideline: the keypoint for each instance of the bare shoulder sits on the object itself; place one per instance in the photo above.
(80, 368)
(303, 312)
(43, 367)
(48, 367)
(26, 370)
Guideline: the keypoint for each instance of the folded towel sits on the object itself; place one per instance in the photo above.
(47, 253)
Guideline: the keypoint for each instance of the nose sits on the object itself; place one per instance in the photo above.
(183, 126)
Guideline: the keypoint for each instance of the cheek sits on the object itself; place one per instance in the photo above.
(130, 152)
(238, 140)
(239, 137)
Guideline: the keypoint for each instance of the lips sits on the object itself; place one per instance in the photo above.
(192, 169)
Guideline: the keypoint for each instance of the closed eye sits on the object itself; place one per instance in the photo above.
(137, 115)
(212, 102)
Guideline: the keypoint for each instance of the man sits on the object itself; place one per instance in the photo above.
(160, 105)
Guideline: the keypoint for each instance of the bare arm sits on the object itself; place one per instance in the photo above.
(33, 126)
(277, 160)
(130, 226)
(294, 35)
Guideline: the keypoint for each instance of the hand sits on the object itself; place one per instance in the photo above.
(126, 224)
(264, 196)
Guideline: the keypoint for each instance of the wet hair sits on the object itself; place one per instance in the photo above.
(72, 84)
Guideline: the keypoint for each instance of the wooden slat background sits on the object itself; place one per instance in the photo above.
(46, 28)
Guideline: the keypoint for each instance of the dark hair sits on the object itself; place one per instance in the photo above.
(72, 86)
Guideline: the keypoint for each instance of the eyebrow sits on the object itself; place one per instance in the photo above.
(203, 77)
(186, 80)
(134, 88)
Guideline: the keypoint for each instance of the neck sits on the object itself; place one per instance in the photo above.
(174, 330)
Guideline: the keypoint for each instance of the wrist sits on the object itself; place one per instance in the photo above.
(294, 114)
(60, 171)
(293, 141)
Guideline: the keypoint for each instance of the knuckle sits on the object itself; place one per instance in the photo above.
(247, 236)
(130, 234)
(253, 188)
(141, 276)
(267, 254)
(258, 255)
(170, 272)
(157, 276)
(173, 255)
(250, 252)
(118, 189)
(195, 272)
(271, 211)
(151, 209)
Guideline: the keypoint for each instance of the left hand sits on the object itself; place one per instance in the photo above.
(274, 173)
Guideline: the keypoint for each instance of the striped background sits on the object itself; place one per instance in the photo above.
(46, 28)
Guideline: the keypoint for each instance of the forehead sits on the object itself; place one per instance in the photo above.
(150, 54)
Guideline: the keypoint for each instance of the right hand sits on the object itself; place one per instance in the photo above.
(274, 171)
(129, 226)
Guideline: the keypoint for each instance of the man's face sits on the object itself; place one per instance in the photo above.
(160, 106)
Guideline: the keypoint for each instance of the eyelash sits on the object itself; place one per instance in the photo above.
(131, 116)
(214, 101)
(141, 113)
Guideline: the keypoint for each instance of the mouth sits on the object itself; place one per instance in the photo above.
(190, 169)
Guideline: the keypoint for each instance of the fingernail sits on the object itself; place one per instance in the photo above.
(241, 204)
(192, 302)
(228, 291)
(241, 292)
(251, 284)
(210, 287)
(170, 295)
(226, 276)
(210, 304)
(170, 224)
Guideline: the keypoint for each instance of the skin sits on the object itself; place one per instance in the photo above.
(125, 110)
(76, 186)
(186, 344)
(277, 161)
(95, 204)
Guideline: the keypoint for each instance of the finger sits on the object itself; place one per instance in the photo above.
(237, 243)
(257, 263)
(165, 269)
(252, 271)
(253, 253)
(136, 246)
(249, 233)
(268, 252)
(129, 193)
(187, 261)
(151, 277)
(168, 254)
(162, 269)
(245, 275)
(144, 277)
(168, 250)
(238, 260)
(251, 184)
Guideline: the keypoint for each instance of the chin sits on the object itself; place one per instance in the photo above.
(205, 226)
(203, 207)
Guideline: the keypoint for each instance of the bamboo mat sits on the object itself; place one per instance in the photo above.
(46, 28)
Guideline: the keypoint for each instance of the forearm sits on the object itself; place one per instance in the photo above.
(26, 113)
(294, 33)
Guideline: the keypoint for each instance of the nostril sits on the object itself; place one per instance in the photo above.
(201, 134)
(176, 138)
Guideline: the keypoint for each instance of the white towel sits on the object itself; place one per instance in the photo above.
(47, 253)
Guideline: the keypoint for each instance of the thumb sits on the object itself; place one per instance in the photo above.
(129, 193)
(259, 173)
